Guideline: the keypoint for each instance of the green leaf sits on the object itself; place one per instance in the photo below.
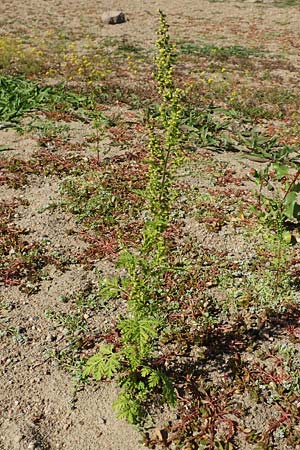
(139, 332)
(281, 170)
(296, 211)
(296, 187)
(287, 237)
(145, 371)
(154, 379)
(127, 260)
(104, 364)
(19, 96)
(140, 193)
(168, 391)
(110, 288)
(291, 209)
(204, 442)
(128, 408)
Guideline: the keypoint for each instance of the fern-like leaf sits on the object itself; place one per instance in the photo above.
(128, 408)
(168, 390)
(139, 332)
(110, 288)
(146, 371)
(104, 364)
(154, 379)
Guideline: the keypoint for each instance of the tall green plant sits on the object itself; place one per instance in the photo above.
(140, 331)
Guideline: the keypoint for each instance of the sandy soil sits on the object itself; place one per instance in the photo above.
(36, 410)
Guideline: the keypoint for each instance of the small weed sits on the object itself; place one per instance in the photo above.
(266, 287)
(19, 96)
(91, 66)
(72, 324)
(100, 123)
(275, 379)
(267, 103)
(126, 48)
(47, 128)
(89, 202)
(202, 128)
(74, 333)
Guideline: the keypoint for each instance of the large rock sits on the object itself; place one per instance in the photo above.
(113, 17)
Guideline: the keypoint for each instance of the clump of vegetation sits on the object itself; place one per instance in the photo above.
(15, 57)
(19, 96)
(222, 53)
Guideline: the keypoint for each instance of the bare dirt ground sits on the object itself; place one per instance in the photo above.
(37, 406)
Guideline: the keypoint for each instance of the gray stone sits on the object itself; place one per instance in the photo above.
(113, 17)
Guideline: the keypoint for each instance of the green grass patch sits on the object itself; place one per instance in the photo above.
(214, 51)
(287, 3)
